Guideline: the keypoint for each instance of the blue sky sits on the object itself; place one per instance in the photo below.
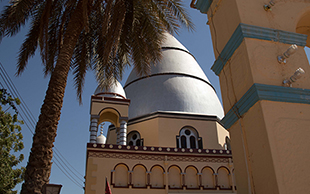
(73, 128)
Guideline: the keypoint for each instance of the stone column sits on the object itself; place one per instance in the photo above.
(93, 130)
(123, 132)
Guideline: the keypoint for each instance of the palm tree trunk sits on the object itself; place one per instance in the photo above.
(39, 164)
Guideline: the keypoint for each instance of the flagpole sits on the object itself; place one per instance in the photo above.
(107, 187)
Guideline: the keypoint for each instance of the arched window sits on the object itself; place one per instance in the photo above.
(134, 139)
(189, 138)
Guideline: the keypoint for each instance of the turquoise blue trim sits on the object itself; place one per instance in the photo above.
(250, 31)
(203, 5)
(264, 92)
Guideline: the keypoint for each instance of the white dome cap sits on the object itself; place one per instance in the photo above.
(176, 84)
(116, 90)
(101, 139)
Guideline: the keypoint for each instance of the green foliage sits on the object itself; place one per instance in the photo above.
(10, 141)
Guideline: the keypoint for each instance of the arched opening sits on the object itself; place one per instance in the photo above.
(111, 115)
(108, 130)
(139, 176)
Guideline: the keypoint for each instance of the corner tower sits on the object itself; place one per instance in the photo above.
(110, 105)
(268, 122)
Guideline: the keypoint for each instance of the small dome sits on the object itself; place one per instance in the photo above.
(116, 90)
(175, 84)
(101, 139)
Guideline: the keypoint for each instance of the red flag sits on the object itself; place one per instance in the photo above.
(107, 187)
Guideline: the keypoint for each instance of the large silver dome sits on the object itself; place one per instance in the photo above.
(176, 84)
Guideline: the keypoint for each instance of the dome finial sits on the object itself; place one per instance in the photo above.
(101, 138)
(101, 128)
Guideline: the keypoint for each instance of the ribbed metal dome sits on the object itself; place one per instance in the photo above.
(176, 84)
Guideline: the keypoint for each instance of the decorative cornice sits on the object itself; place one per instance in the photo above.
(257, 32)
(141, 157)
(265, 92)
(203, 5)
(166, 151)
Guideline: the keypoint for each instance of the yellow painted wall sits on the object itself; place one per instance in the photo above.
(222, 25)
(148, 130)
(247, 66)
(163, 131)
(275, 138)
(90, 180)
(288, 127)
(249, 138)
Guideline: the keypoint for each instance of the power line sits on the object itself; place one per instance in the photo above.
(57, 154)
(14, 91)
(29, 119)
(68, 176)
(68, 163)
(67, 173)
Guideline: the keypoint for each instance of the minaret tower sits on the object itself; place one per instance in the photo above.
(268, 121)
(112, 106)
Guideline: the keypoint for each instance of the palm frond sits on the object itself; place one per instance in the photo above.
(175, 6)
(81, 62)
(30, 44)
(43, 38)
(15, 15)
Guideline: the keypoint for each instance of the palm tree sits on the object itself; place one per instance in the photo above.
(82, 35)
